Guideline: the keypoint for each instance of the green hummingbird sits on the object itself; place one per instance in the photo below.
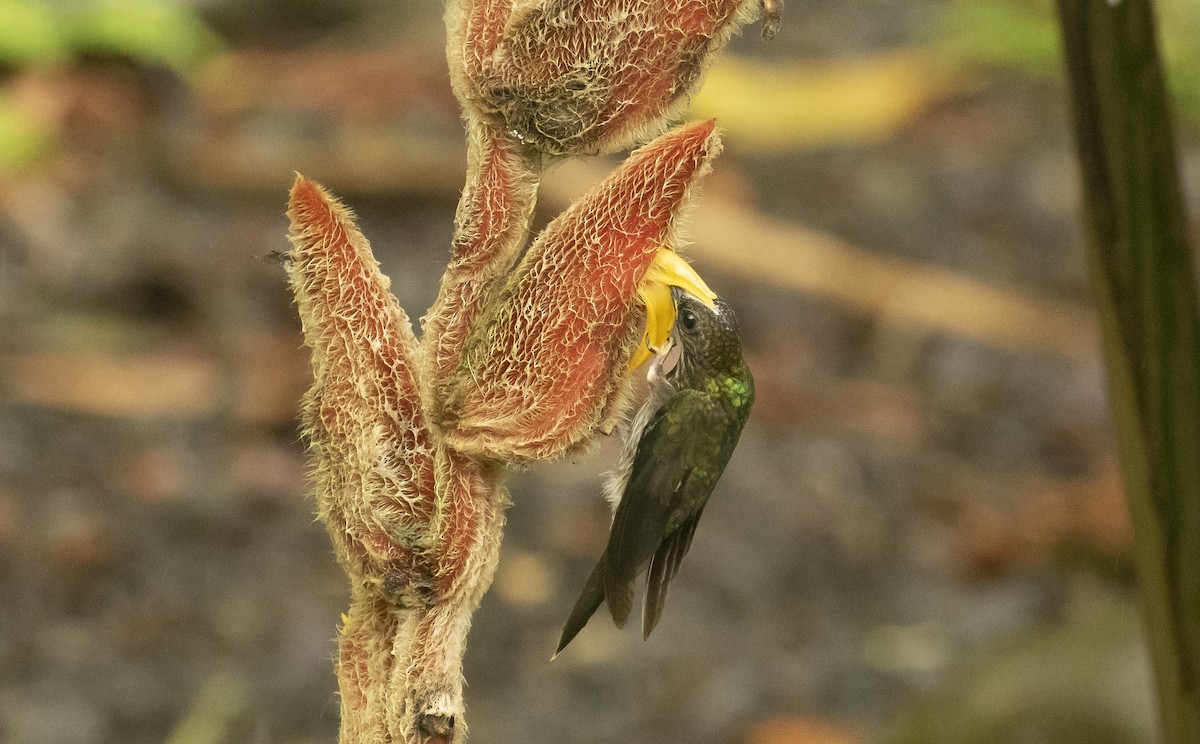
(678, 445)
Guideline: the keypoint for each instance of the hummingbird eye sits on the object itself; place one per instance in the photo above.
(687, 319)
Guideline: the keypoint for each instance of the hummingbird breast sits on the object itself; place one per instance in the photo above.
(659, 393)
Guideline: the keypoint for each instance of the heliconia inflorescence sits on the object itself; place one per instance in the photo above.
(519, 360)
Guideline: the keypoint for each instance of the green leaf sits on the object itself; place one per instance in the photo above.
(150, 31)
(1024, 35)
(30, 32)
(22, 141)
(1006, 33)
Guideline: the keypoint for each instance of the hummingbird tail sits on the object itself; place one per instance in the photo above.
(657, 582)
(663, 567)
(585, 606)
(619, 593)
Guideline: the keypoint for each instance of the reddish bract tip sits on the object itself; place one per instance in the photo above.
(372, 448)
(542, 368)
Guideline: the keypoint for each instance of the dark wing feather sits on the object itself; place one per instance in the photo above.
(663, 567)
(671, 477)
(684, 543)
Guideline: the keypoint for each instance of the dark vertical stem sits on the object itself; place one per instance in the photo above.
(1145, 289)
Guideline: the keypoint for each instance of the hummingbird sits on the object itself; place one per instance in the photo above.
(678, 445)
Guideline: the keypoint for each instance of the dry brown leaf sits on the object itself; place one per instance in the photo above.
(783, 105)
(262, 386)
(116, 386)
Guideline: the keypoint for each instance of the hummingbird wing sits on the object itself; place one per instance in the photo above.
(677, 463)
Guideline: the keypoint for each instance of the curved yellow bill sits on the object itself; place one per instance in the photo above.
(668, 270)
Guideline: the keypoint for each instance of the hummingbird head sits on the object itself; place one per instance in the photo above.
(707, 336)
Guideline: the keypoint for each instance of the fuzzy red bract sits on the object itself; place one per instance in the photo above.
(493, 219)
(585, 76)
(541, 369)
(363, 415)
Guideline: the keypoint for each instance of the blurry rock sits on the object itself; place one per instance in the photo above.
(1087, 682)
(11, 521)
(155, 474)
(267, 470)
(916, 648)
(80, 542)
(143, 624)
(979, 524)
(893, 417)
(50, 717)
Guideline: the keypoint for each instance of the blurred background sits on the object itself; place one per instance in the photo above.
(922, 536)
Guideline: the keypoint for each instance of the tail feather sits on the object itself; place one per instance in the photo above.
(585, 607)
(658, 580)
(686, 532)
(618, 590)
(663, 567)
